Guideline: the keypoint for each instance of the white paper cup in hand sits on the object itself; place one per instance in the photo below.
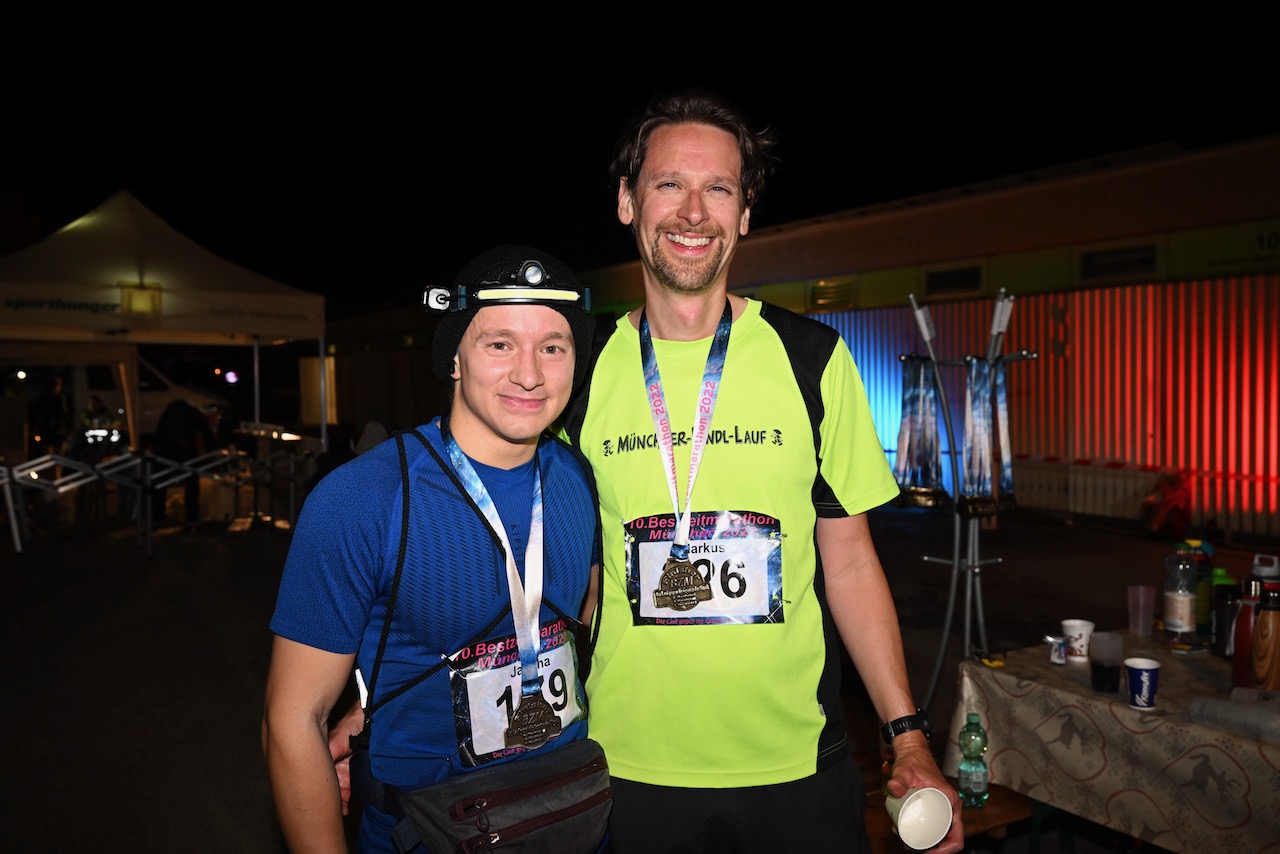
(922, 816)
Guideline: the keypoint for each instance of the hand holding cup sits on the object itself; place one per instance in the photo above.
(922, 817)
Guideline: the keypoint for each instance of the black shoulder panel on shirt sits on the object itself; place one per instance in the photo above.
(809, 344)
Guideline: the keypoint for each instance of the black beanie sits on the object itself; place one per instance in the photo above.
(508, 275)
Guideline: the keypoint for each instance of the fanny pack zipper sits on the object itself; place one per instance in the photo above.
(474, 807)
(491, 838)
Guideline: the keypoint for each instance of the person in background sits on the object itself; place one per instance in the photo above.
(182, 434)
(90, 440)
(514, 337)
(343, 448)
(15, 422)
(737, 554)
(371, 436)
(51, 421)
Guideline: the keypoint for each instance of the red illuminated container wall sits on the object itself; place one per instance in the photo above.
(1181, 376)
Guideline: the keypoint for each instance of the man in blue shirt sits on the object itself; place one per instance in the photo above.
(482, 633)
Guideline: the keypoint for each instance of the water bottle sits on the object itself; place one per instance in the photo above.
(1180, 599)
(973, 768)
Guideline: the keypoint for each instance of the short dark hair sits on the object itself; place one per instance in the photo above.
(703, 108)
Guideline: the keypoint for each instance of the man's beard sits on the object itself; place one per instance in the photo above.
(692, 276)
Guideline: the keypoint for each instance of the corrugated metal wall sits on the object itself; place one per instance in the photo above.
(1181, 376)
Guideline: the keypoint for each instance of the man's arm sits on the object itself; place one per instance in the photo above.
(351, 723)
(862, 606)
(302, 686)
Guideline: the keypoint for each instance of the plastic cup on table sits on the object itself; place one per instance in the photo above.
(1142, 609)
(1106, 652)
(922, 817)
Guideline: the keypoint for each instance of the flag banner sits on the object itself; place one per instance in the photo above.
(918, 465)
(976, 497)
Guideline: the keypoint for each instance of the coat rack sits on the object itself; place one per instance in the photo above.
(968, 511)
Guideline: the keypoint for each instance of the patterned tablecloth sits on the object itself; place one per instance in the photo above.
(1155, 775)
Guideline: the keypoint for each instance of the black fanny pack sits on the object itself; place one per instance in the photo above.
(557, 802)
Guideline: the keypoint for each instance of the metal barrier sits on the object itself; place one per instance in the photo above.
(144, 474)
(15, 513)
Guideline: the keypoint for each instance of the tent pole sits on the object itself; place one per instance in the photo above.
(257, 384)
(324, 401)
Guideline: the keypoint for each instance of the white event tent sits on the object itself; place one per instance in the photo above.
(120, 276)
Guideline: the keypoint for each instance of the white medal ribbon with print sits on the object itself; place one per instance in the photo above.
(681, 586)
(533, 721)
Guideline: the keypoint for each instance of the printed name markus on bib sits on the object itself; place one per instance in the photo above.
(733, 572)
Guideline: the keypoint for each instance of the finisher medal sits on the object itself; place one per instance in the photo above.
(681, 587)
(532, 723)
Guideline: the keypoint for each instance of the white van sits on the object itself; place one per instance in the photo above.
(28, 368)
(25, 382)
(155, 392)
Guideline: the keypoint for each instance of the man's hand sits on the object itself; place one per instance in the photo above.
(915, 768)
(340, 749)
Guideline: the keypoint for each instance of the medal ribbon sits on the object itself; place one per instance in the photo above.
(707, 393)
(526, 598)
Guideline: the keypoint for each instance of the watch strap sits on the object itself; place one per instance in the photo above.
(907, 723)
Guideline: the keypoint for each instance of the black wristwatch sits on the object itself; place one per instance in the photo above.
(895, 728)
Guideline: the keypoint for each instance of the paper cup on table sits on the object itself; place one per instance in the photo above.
(922, 816)
(1143, 675)
(1077, 633)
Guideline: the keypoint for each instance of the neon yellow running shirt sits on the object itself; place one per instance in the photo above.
(731, 691)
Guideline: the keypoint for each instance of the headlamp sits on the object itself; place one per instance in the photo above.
(530, 283)
(531, 272)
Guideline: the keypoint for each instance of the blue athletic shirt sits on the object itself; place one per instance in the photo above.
(453, 608)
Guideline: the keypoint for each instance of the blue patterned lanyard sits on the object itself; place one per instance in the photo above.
(707, 393)
(526, 598)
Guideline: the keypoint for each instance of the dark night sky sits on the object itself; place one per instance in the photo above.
(364, 180)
